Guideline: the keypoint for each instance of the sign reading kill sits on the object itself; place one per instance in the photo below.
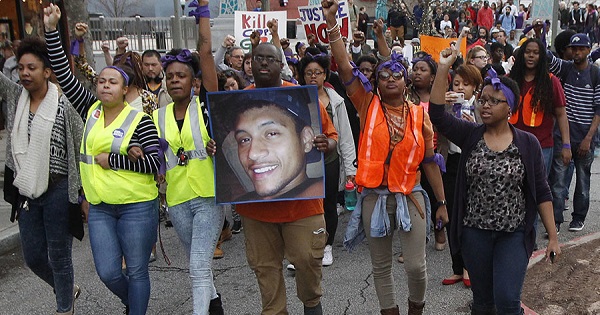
(313, 21)
(248, 21)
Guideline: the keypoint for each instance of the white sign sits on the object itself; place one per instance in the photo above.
(248, 21)
(314, 22)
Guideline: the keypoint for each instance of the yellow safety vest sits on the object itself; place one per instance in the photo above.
(108, 185)
(196, 179)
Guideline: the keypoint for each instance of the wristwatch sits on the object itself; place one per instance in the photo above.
(441, 203)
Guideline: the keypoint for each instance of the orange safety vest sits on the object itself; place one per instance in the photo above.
(531, 118)
(374, 146)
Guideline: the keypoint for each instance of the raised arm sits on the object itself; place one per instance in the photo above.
(338, 49)
(228, 41)
(80, 97)
(273, 26)
(207, 64)
(382, 47)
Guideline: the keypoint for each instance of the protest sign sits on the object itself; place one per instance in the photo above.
(314, 22)
(248, 21)
(265, 140)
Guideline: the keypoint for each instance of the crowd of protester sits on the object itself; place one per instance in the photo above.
(498, 152)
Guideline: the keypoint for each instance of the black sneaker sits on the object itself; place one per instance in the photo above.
(237, 227)
(576, 226)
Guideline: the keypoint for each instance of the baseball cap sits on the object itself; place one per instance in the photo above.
(579, 40)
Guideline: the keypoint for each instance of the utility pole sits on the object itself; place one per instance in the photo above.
(176, 31)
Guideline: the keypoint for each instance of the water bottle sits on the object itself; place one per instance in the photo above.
(350, 196)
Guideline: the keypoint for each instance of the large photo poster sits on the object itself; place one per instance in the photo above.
(265, 148)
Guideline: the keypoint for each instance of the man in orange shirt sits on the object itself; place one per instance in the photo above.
(292, 229)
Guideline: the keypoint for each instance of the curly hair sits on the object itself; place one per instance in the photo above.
(542, 99)
(36, 46)
(321, 60)
(223, 76)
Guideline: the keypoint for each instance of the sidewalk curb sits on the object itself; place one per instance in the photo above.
(540, 255)
(9, 239)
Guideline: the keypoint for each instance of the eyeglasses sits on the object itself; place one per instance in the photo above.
(484, 57)
(315, 73)
(269, 59)
(384, 76)
(366, 71)
(492, 102)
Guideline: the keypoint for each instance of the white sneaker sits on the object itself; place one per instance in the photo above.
(328, 256)
(291, 267)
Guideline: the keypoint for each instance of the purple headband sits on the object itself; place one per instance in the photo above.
(313, 57)
(494, 80)
(425, 58)
(185, 56)
(200, 11)
(394, 64)
(291, 60)
(361, 76)
(125, 76)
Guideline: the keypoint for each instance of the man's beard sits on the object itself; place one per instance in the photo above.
(156, 79)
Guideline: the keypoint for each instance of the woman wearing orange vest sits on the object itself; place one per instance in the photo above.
(538, 109)
(396, 138)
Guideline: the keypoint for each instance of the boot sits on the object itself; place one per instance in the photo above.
(415, 308)
(315, 310)
(218, 251)
(216, 306)
(391, 311)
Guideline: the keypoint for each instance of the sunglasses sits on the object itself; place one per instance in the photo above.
(384, 75)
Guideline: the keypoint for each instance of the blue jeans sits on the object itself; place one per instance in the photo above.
(198, 223)
(497, 262)
(128, 231)
(47, 242)
(583, 173)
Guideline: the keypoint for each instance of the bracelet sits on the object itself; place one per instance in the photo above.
(334, 27)
(335, 40)
(566, 146)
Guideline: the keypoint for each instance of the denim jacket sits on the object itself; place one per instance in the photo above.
(380, 221)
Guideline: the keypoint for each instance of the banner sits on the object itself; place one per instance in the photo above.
(434, 45)
(314, 22)
(265, 144)
(248, 21)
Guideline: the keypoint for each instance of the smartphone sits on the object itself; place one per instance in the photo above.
(460, 98)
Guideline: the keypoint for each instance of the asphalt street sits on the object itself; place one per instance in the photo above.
(347, 284)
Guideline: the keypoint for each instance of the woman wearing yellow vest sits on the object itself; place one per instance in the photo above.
(396, 138)
(188, 163)
(123, 214)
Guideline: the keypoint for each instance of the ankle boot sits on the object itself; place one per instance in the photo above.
(315, 310)
(216, 306)
(391, 311)
(415, 308)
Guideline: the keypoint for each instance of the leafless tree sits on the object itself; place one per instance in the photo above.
(116, 8)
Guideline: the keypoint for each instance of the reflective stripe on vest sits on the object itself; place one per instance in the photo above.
(115, 147)
(374, 148)
(196, 179)
(171, 156)
(108, 185)
(531, 117)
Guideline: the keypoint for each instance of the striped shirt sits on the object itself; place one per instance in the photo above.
(145, 134)
(583, 99)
